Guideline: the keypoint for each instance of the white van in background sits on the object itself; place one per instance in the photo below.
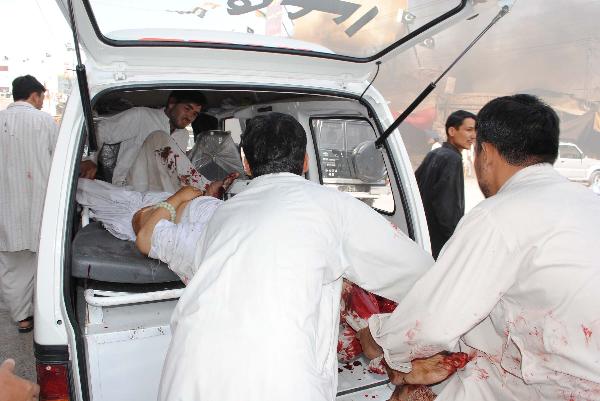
(102, 310)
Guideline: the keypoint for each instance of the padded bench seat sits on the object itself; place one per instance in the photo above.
(97, 255)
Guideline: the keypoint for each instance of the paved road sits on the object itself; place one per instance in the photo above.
(16, 346)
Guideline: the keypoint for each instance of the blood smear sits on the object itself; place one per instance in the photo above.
(356, 307)
(457, 360)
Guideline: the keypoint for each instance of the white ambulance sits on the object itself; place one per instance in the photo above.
(102, 309)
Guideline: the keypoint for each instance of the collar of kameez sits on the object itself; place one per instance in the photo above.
(275, 177)
(448, 145)
(20, 103)
(524, 174)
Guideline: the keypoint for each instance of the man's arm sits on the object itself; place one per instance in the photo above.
(146, 219)
(377, 256)
(114, 129)
(456, 294)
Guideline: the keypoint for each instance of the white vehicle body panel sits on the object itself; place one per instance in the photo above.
(581, 168)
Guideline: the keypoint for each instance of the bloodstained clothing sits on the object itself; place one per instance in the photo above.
(259, 319)
(516, 288)
(130, 128)
(441, 183)
(161, 165)
(27, 141)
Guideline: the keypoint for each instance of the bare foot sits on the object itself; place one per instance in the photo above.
(430, 370)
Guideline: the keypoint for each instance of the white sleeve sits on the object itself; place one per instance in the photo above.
(459, 291)
(119, 128)
(175, 244)
(377, 256)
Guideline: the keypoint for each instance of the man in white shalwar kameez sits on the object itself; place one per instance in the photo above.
(259, 319)
(516, 287)
(27, 141)
(132, 127)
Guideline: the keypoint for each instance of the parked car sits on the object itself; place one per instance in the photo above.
(102, 310)
(576, 166)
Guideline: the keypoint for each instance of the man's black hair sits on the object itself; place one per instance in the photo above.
(456, 119)
(274, 143)
(23, 87)
(188, 96)
(204, 122)
(524, 129)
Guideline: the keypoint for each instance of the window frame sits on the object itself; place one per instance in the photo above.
(386, 159)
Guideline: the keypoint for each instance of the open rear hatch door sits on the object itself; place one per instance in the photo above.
(330, 39)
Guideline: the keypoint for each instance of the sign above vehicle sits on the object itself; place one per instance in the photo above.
(353, 32)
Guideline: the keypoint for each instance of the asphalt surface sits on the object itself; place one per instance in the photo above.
(16, 346)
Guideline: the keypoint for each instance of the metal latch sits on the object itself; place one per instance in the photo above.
(119, 73)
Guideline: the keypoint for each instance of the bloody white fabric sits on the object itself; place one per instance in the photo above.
(17, 274)
(516, 288)
(130, 128)
(27, 140)
(161, 165)
(259, 319)
(356, 307)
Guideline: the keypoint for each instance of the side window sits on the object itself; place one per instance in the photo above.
(233, 125)
(569, 152)
(336, 140)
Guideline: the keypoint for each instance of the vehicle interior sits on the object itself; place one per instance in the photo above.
(114, 287)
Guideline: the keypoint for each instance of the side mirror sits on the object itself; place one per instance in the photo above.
(368, 162)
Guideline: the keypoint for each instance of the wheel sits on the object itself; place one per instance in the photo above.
(595, 179)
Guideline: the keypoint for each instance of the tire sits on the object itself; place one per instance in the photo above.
(595, 178)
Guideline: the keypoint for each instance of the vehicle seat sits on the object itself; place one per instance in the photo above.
(107, 160)
(215, 155)
(97, 255)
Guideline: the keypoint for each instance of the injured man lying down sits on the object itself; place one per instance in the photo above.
(124, 211)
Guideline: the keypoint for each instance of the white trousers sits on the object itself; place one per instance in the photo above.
(17, 274)
(161, 166)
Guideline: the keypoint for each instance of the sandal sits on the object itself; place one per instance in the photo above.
(27, 328)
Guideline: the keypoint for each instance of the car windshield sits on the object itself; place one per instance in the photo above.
(358, 28)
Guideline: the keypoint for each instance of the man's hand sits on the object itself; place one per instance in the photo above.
(13, 388)
(430, 370)
(216, 189)
(88, 169)
(370, 348)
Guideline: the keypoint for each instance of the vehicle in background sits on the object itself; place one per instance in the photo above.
(576, 166)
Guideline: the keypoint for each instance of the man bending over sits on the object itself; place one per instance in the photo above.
(268, 277)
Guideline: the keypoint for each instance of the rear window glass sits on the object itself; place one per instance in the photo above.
(355, 28)
(336, 142)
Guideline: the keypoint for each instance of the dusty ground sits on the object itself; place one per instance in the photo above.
(16, 346)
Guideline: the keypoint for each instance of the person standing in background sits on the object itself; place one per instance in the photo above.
(27, 140)
(441, 180)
